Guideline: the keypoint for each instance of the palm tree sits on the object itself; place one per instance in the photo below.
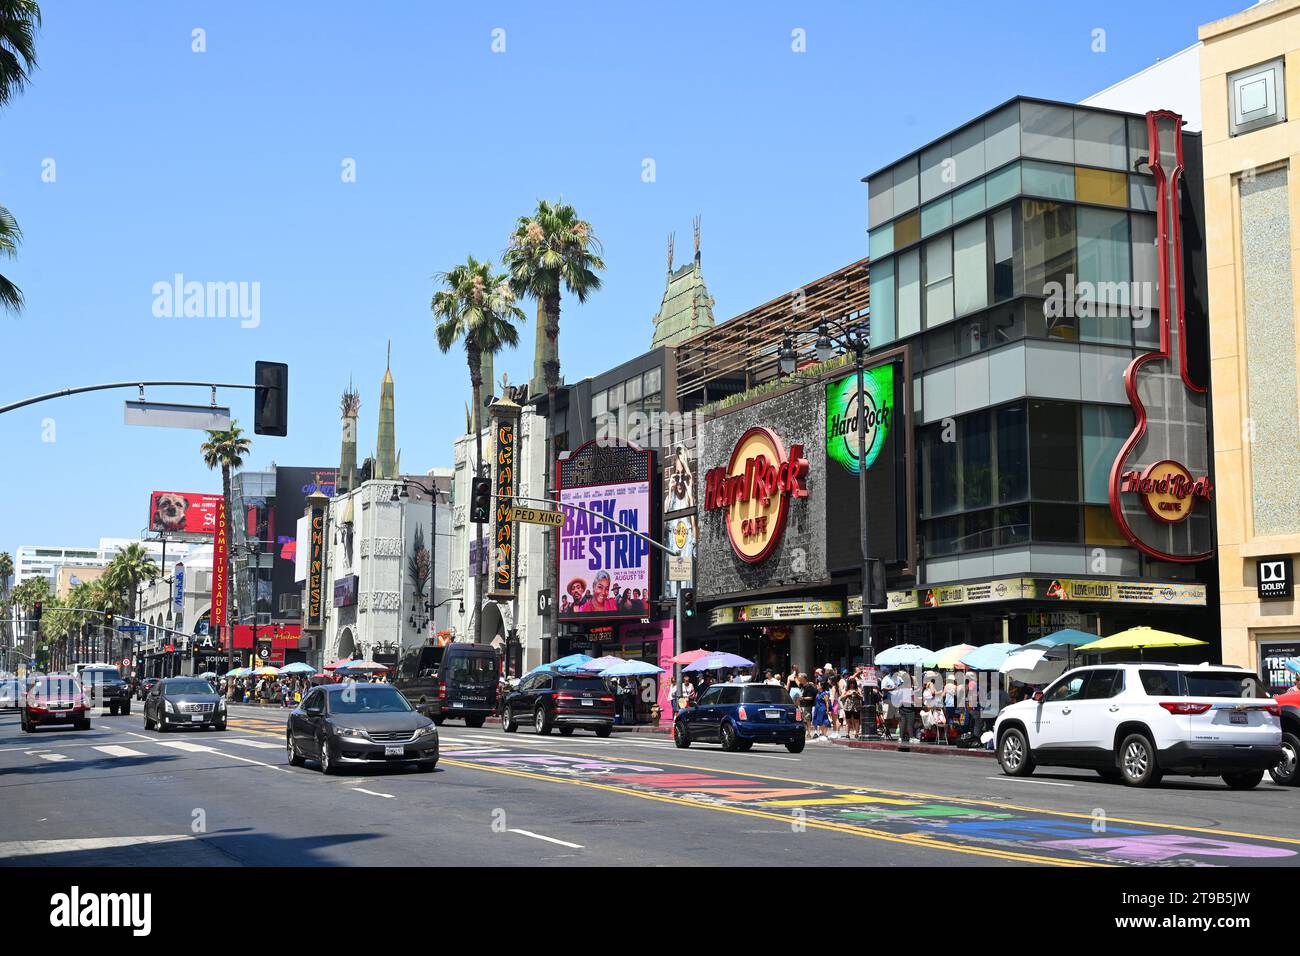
(550, 250)
(6, 572)
(226, 450)
(477, 307)
(19, 20)
(129, 567)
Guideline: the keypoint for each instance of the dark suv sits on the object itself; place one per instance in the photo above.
(105, 687)
(459, 681)
(567, 701)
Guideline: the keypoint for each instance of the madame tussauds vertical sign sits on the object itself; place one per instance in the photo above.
(755, 489)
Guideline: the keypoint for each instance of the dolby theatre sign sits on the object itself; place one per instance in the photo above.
(755, 490)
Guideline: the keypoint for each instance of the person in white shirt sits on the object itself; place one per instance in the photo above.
(890, 717)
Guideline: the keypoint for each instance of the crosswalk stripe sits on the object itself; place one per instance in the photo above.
(54, 757)
(259, 744)
(186, 745)
(114, 751)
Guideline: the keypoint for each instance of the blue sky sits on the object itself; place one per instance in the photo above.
(226, 166)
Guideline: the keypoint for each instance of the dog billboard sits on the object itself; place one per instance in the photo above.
(179, 512)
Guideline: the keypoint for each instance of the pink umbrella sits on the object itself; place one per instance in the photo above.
(689, 657)
(338, 663)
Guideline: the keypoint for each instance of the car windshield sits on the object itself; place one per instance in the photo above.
(55, 688)
(368, 699)
(764, 694)
(188, 687)
(467, 669)
(100, 676)
(1227, 684)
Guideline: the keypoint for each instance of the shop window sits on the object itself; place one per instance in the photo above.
(938, 281)
(1056, 524)
(1101, 187)
(1012, 454)
(1004, 284)
(1047, 180)
(1053, 452)
(976, 461)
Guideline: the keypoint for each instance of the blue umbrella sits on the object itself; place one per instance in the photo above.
(988, 657)
(1066, 637)
(298, 667)
(717, 662)
(903, 655)
(1293, 664)
(563, 664)
(630, 669)
(599, 664)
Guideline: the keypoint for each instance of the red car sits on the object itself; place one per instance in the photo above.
(1285, 773)
(55, 699)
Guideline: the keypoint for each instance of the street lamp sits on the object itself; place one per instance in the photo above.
(852, 337)
(786, 357)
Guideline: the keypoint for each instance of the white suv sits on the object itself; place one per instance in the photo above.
(1137, 722)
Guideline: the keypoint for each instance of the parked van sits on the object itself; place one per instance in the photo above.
(459, 681)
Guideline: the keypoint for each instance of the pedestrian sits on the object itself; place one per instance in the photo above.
(821, 713)
(905, 700)
(888, 716)
(807, 701)
(852, 704)
(692, 693)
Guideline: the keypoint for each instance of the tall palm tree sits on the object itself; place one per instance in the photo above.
(476, 306)
(19, 21)
(6, 572)
(129, 567)
(552, 250)
(226, 450)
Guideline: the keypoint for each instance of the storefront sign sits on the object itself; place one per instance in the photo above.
(1023, 589)
(600, 634)
(1004, 589)
(220, 568)
(842, 416)
(755, 489)
(811, 610)
(1124, 592)
(1168, 490)
(1272, 665)
(315, 616)
(1274, 578)
(504, 583)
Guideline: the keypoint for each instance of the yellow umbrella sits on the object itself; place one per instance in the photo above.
(949, 658)
(1139, 639)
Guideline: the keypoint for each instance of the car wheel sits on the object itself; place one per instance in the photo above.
(148, 724)
(1286, 773)
(438, 720)
(220, 726)
(1111, 776)
(796, 747)
(566, 731)
(294, 759)
(1246, 780)
(541, 722)
(326, 761)
(508, 722)
(727, 737)
(604, 731)
(1014, 755)
(680, 737)
(27, 726)
(1137, 761)
(126, 708)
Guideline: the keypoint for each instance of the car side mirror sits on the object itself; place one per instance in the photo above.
(313, 711)
(1038, 696)
(422, 707)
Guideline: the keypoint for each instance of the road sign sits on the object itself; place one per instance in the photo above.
(126, 662)
(537, 516)
(131, 628)
(679, 568)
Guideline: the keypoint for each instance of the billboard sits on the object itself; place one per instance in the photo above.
(220, 568)
(883, 438)
(604, 569)
(292, 486)
(183, 512)
(679, 479)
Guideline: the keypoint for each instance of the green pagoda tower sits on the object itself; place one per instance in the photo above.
(687, 307)
(386, 455)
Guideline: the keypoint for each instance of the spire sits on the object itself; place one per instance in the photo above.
(349, 406)
(672, 241)
(385, 460)
(687, 307)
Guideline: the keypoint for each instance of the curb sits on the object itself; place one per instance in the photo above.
(915, 748)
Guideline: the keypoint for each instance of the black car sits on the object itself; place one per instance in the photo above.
(459, 681)
(106, 687)
(183, 702)
(55, 699)
(146, 685)
(567, 701)
(359, 723)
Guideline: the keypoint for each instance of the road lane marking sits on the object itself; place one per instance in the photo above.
(54, 757)
(187, 746)
(259, 744)
(538, 836)
(373, 793)
(1041, 783)
(115, 751)
(40, 847)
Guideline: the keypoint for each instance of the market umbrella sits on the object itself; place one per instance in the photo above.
(1032, 667)
(570, 662)
(337, 664)
(1139, 639)
(989, 656)
(599, 663)
(1292, 664)
(237, 672)
(1068, 636)
(206, 674)
(688, 657)
(266, 670)
(630, 669)
(363, 666)
(903, 655)
(713, 662)
(298, 667)
(948, 658)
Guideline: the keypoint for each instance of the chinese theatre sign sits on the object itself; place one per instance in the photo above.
(755, 489)
(315, 617)
(505, 531)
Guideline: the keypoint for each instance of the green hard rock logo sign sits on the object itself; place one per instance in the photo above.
(842, 416)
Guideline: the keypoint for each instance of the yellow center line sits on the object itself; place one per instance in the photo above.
(916, 841)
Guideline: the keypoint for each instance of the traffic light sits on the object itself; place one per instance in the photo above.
(36, 612)
(271, 401)
(688, 602)
(108, 618)
(480, 501)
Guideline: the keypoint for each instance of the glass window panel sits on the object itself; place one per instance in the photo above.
(651, 382)
(1099, 140)
(1054, 451)
(1100, 529)
(1145, 263)
(653, 403)
(1011, 526)
(909, 293)
(1101, 186)
(1044, 321)
(882, 241)
(632, 389)
(941, 536)
(1142, 193)
(1047, 132)
(880, 198)
(883, 329)
(937, 173)
(1056, 524)
(938, 281)
(598, 404)
(936, 216)
(907, 230)
(970, 267)
(1138, 146)
(1012, 454)
(1105, 427)
(1006, 324)
(1104, 257)
(968, 154)
(1002, 136)
(1004, 284)
(968, 201)
(939, 477)
(976, 461)
(1048, 246)
(940, 345)
(1044, 179)
(972, 336)
(616, 396)
(1107, 326)
(905, 186)
(1002, 185)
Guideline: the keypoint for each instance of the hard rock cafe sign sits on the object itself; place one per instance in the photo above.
(1168, 490)
(755, 489)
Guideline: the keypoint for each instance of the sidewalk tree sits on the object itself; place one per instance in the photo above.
(476, 307)
(226, 450)
(19, 21)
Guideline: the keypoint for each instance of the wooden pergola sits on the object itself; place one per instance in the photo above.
(743, 352)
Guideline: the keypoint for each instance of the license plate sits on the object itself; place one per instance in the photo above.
(196, 718)
(1239, 718)
(60, 713)
(772, 714)
(394, 751)
(457, 704)
(588, 703)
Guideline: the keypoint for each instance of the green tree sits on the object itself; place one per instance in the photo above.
(226, 450)
(476, 307)
(11, 297)
(129, 567)
(19, 21)
(6, 635)
(549, 251)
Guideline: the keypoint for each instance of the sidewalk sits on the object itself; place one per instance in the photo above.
(945, 750)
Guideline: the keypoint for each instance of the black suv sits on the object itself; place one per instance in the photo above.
(567, 701)
(105, 687)
(457, 681)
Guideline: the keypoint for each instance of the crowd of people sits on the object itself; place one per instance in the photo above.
(284, 692)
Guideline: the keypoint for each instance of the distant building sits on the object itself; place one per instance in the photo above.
(687, 307)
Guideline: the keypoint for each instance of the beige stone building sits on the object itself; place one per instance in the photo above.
(1250, 87)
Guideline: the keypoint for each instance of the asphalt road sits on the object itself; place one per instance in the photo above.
(120, 795)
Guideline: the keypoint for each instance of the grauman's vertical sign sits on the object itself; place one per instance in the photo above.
(316, 569)
(755, 489)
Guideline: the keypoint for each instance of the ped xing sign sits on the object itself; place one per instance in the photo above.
(543, 516)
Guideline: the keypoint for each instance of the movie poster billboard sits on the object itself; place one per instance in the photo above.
(183, 512)
(679, 479)
(604, 569)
